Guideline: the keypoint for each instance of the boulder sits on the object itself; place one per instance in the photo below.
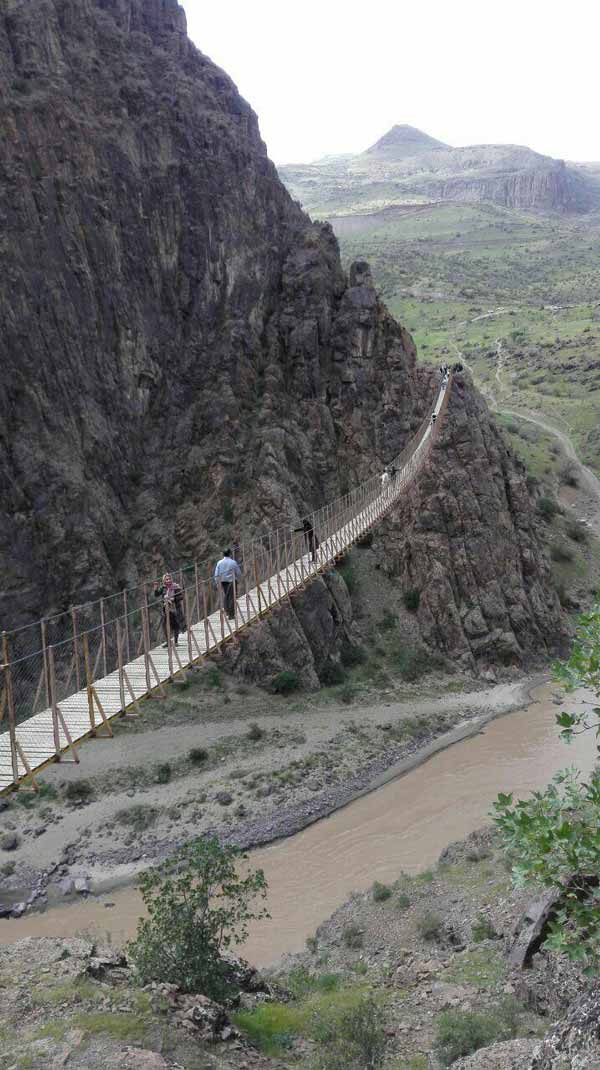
(574, 1042)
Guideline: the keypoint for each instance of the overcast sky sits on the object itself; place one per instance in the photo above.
(329, 76)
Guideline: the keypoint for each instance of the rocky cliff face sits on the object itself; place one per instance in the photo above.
(179, 342)
(465, 538)
(551, 187)
(184, 359)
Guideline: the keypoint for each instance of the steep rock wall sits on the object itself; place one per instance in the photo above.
(184, 360)
(465, 538)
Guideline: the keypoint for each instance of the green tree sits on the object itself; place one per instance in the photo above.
(198, 905)
(554, 837)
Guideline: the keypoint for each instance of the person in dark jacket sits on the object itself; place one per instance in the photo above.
(311, 537)
(172, 603)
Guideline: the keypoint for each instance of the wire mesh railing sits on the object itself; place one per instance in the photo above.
(68, 675)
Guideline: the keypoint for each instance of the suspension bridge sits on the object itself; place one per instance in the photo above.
(65, 678)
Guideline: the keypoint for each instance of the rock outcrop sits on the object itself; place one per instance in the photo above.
(184, 360)
(574, 1043)
(465, 538)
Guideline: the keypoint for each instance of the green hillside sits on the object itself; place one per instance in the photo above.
(446, 270)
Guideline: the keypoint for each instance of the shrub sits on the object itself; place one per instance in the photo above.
(213, 677)
(353, 1041)
(389, 621)
(411, 599)
(403, 902)
(198, 906)
(568, 475)
(381, 892)
(560, 552)
(483, 930)
(331, 674)
(352, 655)
(139, 817)
(352, 937)
(430, 926)
(285, 682)
(460, 1033)
(270, 1026)
(163, 773)
(547, 507)
(301, 982)
(576, 531)
(79, 791)
(197, 755)
(347, 694)
(412, 662)
(255, 732)
(8, 869)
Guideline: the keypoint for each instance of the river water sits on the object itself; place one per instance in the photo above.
(403, 825)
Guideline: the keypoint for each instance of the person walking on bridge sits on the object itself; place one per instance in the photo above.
(312, 542)
(172, 599)
(385, 483)
(227, 572)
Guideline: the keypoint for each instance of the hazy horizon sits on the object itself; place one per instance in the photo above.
(327, 79)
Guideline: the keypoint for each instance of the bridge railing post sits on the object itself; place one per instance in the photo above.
(126, 627)
(120, 665)
(146, 638)
(8, 702)
(103, 637)
(75, 646)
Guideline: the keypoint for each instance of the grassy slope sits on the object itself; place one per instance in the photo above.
(442, 267)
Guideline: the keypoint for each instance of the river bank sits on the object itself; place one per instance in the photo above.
(427, 950)
(401, 821)
(254, 768)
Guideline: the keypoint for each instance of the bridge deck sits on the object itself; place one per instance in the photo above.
(42, 737)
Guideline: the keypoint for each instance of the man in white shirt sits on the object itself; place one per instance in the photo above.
(227, 571)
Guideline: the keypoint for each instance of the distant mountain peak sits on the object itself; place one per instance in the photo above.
(404, 140)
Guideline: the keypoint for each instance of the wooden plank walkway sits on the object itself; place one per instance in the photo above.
(53, 732)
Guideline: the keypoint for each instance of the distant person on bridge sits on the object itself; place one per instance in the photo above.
(172, 603)
(385, 482)
(227, 571)
(308, 530)
(433, 419)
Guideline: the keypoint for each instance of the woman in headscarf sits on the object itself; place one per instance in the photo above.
(172, 598)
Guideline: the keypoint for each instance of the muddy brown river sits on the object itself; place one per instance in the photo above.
(403, 825)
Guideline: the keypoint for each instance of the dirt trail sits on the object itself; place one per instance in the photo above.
(589, 484)
(588, 481)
